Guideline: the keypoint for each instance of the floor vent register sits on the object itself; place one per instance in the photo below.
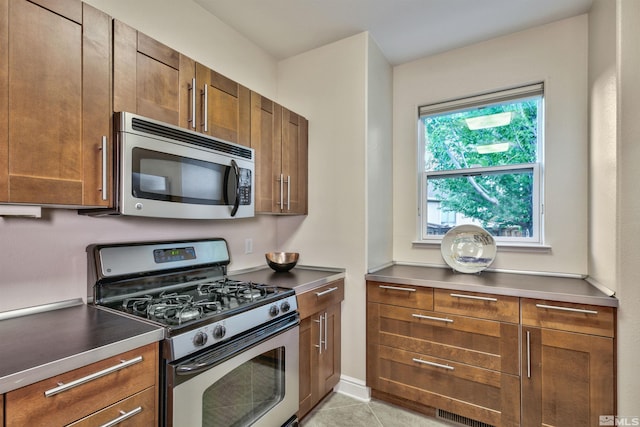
(459, 419)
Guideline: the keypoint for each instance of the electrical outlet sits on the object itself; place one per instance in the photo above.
(248, 246)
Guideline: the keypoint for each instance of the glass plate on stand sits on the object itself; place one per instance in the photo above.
(468, 248)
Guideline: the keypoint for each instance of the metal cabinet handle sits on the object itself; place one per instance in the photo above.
(124, 416)
(103, 148)
(528, 354)
(439, 319)
(437, 365)
(328, 291)
(75, 383)
(281, 180)
(320, 341)
(192, 90)
(288, 192)
(396, 288)
(474, 297)
(325, 330)
(574, 310)
(205, 119)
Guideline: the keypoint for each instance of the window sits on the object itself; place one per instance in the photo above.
(481, 165)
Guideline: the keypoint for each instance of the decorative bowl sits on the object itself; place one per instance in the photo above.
(468, 248)
(282, 261)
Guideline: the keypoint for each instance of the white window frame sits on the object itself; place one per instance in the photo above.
(487, 99)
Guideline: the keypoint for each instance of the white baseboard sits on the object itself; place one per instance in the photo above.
(353, 387)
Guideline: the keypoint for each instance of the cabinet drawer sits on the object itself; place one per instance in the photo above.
(90, 388)
(478, 342)
(480, 394)
(484, 306)
(582, 318)
(318, 299)
(137, 410)
(402, 295)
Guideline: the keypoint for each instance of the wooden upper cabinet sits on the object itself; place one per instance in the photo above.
(56, 102)
(294, 161)
(224, 107)
(279, 138)
(266, 140)
(147, 76)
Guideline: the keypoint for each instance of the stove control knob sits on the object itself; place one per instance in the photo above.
(200, 339)
(274, 310)
(219, 331)
(285, 306)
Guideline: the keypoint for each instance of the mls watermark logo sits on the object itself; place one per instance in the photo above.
(614, 420)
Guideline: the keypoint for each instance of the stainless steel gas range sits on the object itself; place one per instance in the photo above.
(230, 353)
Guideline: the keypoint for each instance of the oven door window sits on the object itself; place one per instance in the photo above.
(247, 392)
(171, 178)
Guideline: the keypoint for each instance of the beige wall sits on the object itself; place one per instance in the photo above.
(555, 54)
(628, 203)
(328, 86)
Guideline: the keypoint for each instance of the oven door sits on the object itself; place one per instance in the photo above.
(250, 381)
(159, 178)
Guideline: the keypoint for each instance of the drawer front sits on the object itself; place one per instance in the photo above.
(318, 299)
(137, 410)
(484, 306)
(581, 318)
(123, 376)
(402, 295)
(484, 343)
(480, 394)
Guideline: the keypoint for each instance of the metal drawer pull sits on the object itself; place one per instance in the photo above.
(474, 297)
(439, 319)
(396, 288)
(328, 291)
(91, 377)
(437, 365)
(124, 416)
(574, 310)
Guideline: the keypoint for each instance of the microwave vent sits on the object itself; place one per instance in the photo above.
(190, 138)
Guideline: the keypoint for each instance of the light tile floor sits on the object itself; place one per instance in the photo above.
(339, 410)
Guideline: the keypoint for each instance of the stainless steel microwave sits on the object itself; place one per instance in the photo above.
(165, 171)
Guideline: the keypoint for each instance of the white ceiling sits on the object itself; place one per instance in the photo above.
(404, 29)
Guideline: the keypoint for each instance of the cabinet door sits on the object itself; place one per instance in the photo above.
(308, 365)
(294, 162)
(146, 76)
(225, 107)
(330, 355)
(57, 86)
(266, 140)
(567, 378)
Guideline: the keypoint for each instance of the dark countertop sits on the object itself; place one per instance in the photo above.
(41, 345)
(520, 285)
(301, 278)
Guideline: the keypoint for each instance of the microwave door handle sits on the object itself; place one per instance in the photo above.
(236, 171)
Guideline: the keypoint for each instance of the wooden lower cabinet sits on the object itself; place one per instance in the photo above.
(1, 410)
(125, 384)
(568, 378)
(467, 366)
(320, 335)
(503, 361)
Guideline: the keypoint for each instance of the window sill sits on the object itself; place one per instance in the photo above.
(502, 246)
